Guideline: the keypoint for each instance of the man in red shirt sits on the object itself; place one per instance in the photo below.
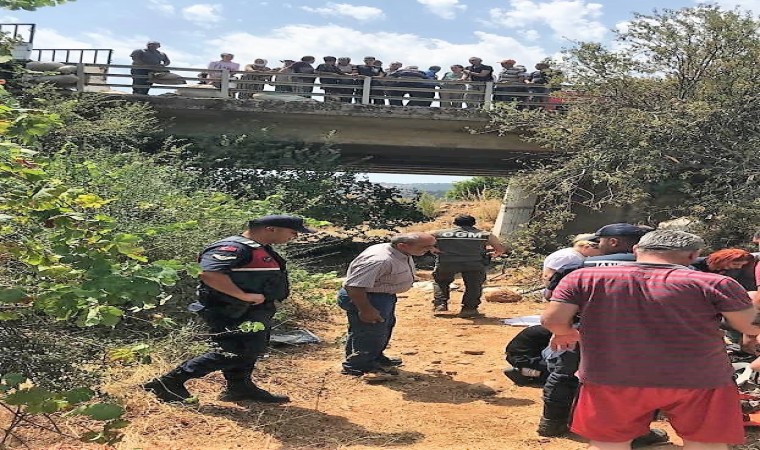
(652, 341)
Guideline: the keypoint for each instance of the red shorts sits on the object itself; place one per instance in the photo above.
(606, 413)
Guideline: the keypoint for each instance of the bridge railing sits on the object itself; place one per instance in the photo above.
(73, 55)
(389, 91)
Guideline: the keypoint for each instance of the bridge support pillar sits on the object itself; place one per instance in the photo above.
(516, 209)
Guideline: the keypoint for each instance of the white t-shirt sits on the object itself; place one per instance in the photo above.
(567, 257)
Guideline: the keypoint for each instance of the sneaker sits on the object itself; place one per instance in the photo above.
(440, 308)
(655, 436)
(520, 379)
(252, 393)
(389, 362)
(168, 389)
(552, 427)
(466, 313)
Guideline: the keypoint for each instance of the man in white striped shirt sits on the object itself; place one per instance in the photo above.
(369, 298)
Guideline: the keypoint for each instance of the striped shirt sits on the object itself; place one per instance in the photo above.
(381, 268)
(652, 325)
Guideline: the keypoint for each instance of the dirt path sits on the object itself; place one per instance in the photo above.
(431, 406)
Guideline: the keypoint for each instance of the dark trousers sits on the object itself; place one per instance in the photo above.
(521, 361)
(501, 91)
(561, 386)
(473, 276)
(140, 81)
(366, 342)
(237, 351)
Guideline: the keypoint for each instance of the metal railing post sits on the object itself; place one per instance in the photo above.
(366, 88)
(80, 77)
(488, 95)
(225, 83)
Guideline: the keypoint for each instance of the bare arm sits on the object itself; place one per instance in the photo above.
(498, 248)
(546, 276)
(742, 321)
(558, 318)
(221, 282)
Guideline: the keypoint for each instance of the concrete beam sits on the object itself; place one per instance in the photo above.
(373, 138)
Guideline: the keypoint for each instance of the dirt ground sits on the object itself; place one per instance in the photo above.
(433, 405)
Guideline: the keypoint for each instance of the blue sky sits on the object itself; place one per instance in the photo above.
(415, 32)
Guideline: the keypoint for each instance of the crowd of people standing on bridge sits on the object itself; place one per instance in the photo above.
(395, 84)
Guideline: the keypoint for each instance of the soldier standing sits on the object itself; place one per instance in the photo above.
(463, 249)
(242, 278)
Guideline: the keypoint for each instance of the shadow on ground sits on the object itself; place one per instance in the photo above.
(442, 388)
(298, 427)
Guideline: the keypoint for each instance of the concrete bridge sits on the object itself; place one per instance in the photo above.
(370, 138)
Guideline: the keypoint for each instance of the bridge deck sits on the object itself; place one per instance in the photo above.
(372, 138)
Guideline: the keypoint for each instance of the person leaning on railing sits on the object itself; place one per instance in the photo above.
(253, 83)
(480, 74)
(215, 68)
(451, 81)
(147, 61)
(329, 76)
(305, 84)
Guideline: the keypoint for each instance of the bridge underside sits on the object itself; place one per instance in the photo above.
(434, 161)
(406, 140)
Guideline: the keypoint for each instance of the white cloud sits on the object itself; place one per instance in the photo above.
(361, 13)
(294, 41)
(571, 19)
(122, 46)
(446, 9)
(161, 6)
(752, 5)
(203, 13)
(9, 19)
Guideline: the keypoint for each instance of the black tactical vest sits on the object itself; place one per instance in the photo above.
(272, 283)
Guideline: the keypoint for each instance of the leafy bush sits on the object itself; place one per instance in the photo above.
(478, 188)
(428, 205)
(663, 124)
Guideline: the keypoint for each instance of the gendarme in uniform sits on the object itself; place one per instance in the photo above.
(242, 278)
(462, 250)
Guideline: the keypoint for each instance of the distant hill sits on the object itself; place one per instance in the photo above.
(408, 189)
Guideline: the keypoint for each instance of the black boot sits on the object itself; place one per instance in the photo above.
(552, 427)
(655, 436)
(170, 387)
(238, 390)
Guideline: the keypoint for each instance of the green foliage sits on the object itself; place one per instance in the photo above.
(252, 327)
(94, 121)
(25, 401)
(29, 5)
(315, 185)
(478, 188)
(663, 125)
(428, 205)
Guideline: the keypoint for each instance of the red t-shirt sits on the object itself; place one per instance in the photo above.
(651, 325)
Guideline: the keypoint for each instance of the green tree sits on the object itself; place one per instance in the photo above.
(478, 188)
(664, 123)
(29, 5)
(300, 178)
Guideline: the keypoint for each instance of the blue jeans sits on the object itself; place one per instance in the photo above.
(366, 342)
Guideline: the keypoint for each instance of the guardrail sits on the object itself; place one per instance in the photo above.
(73, 55)
(365, 90)
(19, 31)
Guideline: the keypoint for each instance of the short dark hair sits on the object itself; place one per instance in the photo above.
(464, 220)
